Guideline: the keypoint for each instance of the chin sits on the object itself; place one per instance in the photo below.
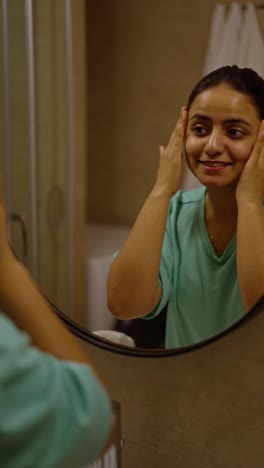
(209, 182)
(213, 181)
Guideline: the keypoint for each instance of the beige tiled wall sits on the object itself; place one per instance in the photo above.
(203, 409)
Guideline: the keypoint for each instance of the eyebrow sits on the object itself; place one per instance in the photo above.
(229, 121)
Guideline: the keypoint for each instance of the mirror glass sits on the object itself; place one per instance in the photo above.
(89, 91)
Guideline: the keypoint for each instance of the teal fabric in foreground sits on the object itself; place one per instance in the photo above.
(53, 413)
(201, 289)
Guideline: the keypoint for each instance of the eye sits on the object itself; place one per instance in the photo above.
(200, 130)
(235, 133)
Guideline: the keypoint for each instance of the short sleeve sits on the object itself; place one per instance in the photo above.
(53, 413)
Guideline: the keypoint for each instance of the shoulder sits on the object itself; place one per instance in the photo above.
(56, 393)
(11, 336)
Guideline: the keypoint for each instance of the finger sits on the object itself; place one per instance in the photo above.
(179, 130)
(181, 123)
(258, 146)
(162, 149)
(261, 156)
(185, 120)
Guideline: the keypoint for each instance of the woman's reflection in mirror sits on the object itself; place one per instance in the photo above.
(201, 252)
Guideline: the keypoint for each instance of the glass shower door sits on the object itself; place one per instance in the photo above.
(15, 134)
(36, 143)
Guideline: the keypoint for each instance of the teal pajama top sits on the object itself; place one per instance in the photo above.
(200, 288)
(53, 413)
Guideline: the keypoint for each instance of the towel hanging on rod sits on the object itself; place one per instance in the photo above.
(251, 50)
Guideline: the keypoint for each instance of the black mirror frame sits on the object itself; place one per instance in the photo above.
(102, 343)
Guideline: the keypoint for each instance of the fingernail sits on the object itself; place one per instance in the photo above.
(183, 110)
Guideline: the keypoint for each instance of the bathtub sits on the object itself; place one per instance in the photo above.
(102, 241)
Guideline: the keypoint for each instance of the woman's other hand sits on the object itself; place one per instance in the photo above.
(171, 166)
(250, 188)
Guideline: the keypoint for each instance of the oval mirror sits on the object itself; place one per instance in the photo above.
(109, 345)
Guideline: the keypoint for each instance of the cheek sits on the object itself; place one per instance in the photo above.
(193, 147)
(241, 153)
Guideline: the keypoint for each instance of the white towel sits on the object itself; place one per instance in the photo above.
(215, 37)
(231, 37)
(116, 337)
(224, 42)
(251, 53)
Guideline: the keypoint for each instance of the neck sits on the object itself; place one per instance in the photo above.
(220, 217)
(221, 203)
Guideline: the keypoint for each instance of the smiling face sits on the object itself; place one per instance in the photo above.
(222, 129)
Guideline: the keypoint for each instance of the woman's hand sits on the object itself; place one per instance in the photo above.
(170, 167)
(250, 188)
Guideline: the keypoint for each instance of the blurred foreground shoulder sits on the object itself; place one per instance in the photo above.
(54, 413)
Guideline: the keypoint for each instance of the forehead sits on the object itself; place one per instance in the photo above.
(223, 101)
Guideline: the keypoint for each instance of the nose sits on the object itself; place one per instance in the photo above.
(214, 144)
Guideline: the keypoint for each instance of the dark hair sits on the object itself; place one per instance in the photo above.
(243, 80)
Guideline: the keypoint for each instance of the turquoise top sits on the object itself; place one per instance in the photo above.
(53, 413)
(201, 289)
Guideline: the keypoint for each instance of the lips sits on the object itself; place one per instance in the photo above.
(215, 163)
(214, 166)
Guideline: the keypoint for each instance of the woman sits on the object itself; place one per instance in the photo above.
(201, 252)
(55, 412)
